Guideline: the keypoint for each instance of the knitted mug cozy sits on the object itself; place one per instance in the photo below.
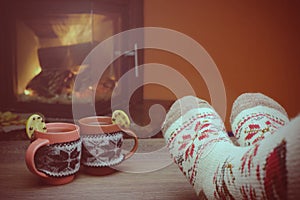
(102, 141)
(102, 150)
(59, 160)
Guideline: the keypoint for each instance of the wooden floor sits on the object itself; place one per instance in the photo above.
(16, 182)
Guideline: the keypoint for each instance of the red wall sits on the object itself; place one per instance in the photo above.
(255, 45)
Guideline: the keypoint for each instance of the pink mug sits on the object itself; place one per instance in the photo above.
(54, 156)
(101, 144)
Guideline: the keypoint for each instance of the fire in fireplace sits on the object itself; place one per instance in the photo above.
(45, 43)
(47, 72)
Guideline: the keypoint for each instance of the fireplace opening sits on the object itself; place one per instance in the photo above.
(45, 43)
(50, 50)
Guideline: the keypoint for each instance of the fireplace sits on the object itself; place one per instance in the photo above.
(45, 43)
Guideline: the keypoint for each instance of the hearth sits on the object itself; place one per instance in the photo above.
(45, 43)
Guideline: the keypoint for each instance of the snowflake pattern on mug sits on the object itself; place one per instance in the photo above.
(59, 160)
(101, 150)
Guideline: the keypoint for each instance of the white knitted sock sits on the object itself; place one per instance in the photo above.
(216, 168)
(255, 116)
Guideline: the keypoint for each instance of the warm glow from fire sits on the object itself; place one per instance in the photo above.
(36, 36)
(27, 58)
(76, 28)
(27, 92)
(37, 70)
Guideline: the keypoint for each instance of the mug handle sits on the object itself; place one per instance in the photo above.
(30, 152)
(135, 146)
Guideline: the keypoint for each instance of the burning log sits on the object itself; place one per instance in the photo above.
(54, 84)
(63, 57)
(49, 83)
(58, 65)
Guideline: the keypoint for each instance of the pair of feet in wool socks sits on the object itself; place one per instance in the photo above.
(265, 165)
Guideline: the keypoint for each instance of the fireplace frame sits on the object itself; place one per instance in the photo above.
(132, 17)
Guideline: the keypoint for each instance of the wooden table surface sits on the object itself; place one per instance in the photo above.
(16, 182)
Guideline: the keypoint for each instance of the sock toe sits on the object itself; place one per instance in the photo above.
(250, 100)
(255, 116)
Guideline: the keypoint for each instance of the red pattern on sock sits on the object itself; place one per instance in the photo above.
(275, 181)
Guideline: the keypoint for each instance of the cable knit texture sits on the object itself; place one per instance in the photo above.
(218, 169)
(255, 116)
